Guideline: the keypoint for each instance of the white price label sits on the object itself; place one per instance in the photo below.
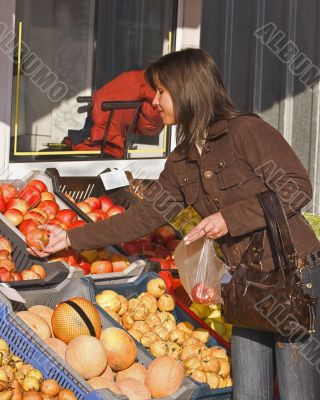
(114, 179)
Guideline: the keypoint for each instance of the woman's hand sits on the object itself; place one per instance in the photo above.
(213, 227)
(58, 240)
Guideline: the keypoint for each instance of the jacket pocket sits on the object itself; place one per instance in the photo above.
(189, 187)
(227, 174)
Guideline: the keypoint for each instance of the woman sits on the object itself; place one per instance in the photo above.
(223, 159)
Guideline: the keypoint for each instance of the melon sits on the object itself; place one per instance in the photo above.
(87, 356)
(100, 382)
(134, 389)
(136, 371)
(58, 346)
(43, 312)
(75, 317)
(164, 376)
(36, 323)
(120, 347)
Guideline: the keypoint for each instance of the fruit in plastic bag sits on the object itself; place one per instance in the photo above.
(204, 294)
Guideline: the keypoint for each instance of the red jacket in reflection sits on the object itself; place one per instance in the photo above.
(128, 86)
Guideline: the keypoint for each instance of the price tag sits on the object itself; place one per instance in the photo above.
(11, 293)
(114, 179)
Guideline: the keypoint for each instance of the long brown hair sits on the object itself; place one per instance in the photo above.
(197, 91)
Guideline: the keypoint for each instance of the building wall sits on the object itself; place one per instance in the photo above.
(268, 52)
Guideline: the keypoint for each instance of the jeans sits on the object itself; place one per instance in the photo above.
(258, 356)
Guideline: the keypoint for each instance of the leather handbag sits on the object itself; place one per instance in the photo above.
(271, 301)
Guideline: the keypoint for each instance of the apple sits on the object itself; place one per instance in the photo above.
(14, 216)
(50, 207)
(83, 206)
(7, 264)
(164, 234)
(69, 255)
(76, 224)
(202, 293)
(163, 263)
(172, 244)
(84, 265)
(35, 216)
(5, 244)
(17, 276)
(161, 251)
(94, 216)
(39, 269)
(28, 225)
(106, 203)
(18, 204)
(101, 267)
(37, 238)
(54, 221)
(148, 249)
(5, 255)
(66, 216)
(9, 192)
(2, 202)
(31, 195)
(119, 262)
(115, 210)
(94, 203)
(28, 275)
(68, 196)
(47, 196)
(133, 248)
(102, 214)
(146, 240)
(42, 187)
(5, 275)
(41, 211)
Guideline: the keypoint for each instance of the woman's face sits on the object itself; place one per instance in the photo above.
(163, 103)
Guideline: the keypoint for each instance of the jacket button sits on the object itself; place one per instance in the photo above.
(309, 285)
(221, 163)
(185, 179)
(216, 201)
(207, 174)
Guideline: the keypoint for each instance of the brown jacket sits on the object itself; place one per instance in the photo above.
(241, 157)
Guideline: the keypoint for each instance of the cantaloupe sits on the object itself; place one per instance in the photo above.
(36, 323)
(100, 382)
(136, 371)
(57, 346)
(134, 389)
(43, 312)
(87, 356)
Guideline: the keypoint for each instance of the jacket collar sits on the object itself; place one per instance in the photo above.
(216, 130)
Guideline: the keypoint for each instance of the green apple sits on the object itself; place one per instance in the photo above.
(201, 310)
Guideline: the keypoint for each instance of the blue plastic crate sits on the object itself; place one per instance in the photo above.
(133, 289)
(31, 349)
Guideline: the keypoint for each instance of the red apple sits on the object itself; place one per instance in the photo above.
(101, 267)
(8, 264)
(2, 202)
(94, 216)
(202, 293)
(172, 244)
(39, 269)
(50, 207)
(18, 204)
(115, 210)
(35, 216)
(161, 251)
(9, 192)
(164, 234)
(163, 263)
(17, 276)
(76, 224)
(68, 196)
(37, 238)
(84, 265)
(5, 275)
(42, 212)
(69, 255)
(42, 187)
(66, 216)
(47, 196)
(28, 225)
(83, 206)
(102, 214)
(54, 221)
(5, 244)
(106, 203)
(146, 240)
(28, 275)
(133, 248)
(5, 255)
(119, 262)
(93, 202)
(31, 195)
(14, 216)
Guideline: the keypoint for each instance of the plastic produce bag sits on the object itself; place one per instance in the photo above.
(200, 270)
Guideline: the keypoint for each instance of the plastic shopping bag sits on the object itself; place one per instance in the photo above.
(200, 270)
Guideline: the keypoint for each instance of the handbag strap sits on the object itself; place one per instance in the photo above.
(279, 228)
